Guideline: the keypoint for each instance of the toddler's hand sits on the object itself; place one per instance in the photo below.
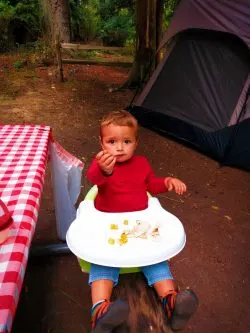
(175, 184)
(106, 162)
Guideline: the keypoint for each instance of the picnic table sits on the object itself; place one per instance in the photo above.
(24, 152)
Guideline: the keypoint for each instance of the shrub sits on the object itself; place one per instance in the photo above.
(118, 29)
(6, 15)
(85, 20)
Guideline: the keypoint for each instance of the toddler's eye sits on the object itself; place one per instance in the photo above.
(127, 141)
(111, 141)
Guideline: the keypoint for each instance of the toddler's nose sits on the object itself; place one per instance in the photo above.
(119, 146)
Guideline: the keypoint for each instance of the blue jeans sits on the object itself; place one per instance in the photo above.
(153, 273)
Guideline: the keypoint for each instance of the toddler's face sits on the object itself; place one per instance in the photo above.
(119, 141)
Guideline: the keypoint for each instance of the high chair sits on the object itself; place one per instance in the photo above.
(85, 266)
(146, 313)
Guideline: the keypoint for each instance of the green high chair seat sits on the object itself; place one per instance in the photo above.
(85, 265)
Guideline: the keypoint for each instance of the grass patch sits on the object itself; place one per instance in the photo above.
(127, 52)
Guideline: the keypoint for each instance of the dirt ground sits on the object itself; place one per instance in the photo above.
(215, 211)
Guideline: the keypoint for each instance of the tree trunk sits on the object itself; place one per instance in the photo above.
(146, 313)
(46, 19)
(148, 13)
(159, 24)
(60, 20)
(145, 41)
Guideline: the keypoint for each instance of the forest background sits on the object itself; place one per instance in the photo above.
(109, 22)
(38, 26)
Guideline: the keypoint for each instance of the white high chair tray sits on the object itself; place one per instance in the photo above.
(87, 236)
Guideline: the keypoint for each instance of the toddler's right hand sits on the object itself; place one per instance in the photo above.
(106, 162)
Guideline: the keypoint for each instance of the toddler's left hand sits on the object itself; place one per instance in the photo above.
(175, 184)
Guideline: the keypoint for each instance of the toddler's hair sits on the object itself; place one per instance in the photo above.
(120, 118)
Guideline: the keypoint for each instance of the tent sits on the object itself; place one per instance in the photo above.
(199, 92)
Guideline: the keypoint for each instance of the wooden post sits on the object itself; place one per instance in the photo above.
(59, 59)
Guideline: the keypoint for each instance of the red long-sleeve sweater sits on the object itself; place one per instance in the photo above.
(126, 189)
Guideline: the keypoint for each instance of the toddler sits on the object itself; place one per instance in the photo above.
(123, 180)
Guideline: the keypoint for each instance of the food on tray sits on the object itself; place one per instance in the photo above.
(113, 226)
(111, 241)
(119, 233)
(140, 229)
(123, 239)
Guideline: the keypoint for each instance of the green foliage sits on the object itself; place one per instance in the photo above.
(5, 8)
(42, 53)
(108, 8)
(85, 19)
(36, 53)
(19, 64)
(27, 12)
(112, 21)
(6, 15)
(169, 9)
(88, 54)
(118, 28)
(118, 22)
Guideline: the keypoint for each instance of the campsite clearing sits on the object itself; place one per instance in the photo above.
(215, 211)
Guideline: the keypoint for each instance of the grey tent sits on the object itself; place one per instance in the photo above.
(199, 92)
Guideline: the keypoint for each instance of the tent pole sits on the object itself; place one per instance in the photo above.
(236, 129)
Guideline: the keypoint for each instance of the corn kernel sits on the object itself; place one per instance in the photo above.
(114, 226)
(111, 241)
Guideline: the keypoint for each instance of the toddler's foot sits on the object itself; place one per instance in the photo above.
(179, 307)
(107, 316)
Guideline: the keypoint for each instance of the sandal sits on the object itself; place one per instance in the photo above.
(179, 307)
(109, 316)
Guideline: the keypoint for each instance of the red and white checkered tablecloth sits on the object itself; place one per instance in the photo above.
(23, 157)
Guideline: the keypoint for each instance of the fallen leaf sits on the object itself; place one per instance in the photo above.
(228, 217)
(215, 207)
